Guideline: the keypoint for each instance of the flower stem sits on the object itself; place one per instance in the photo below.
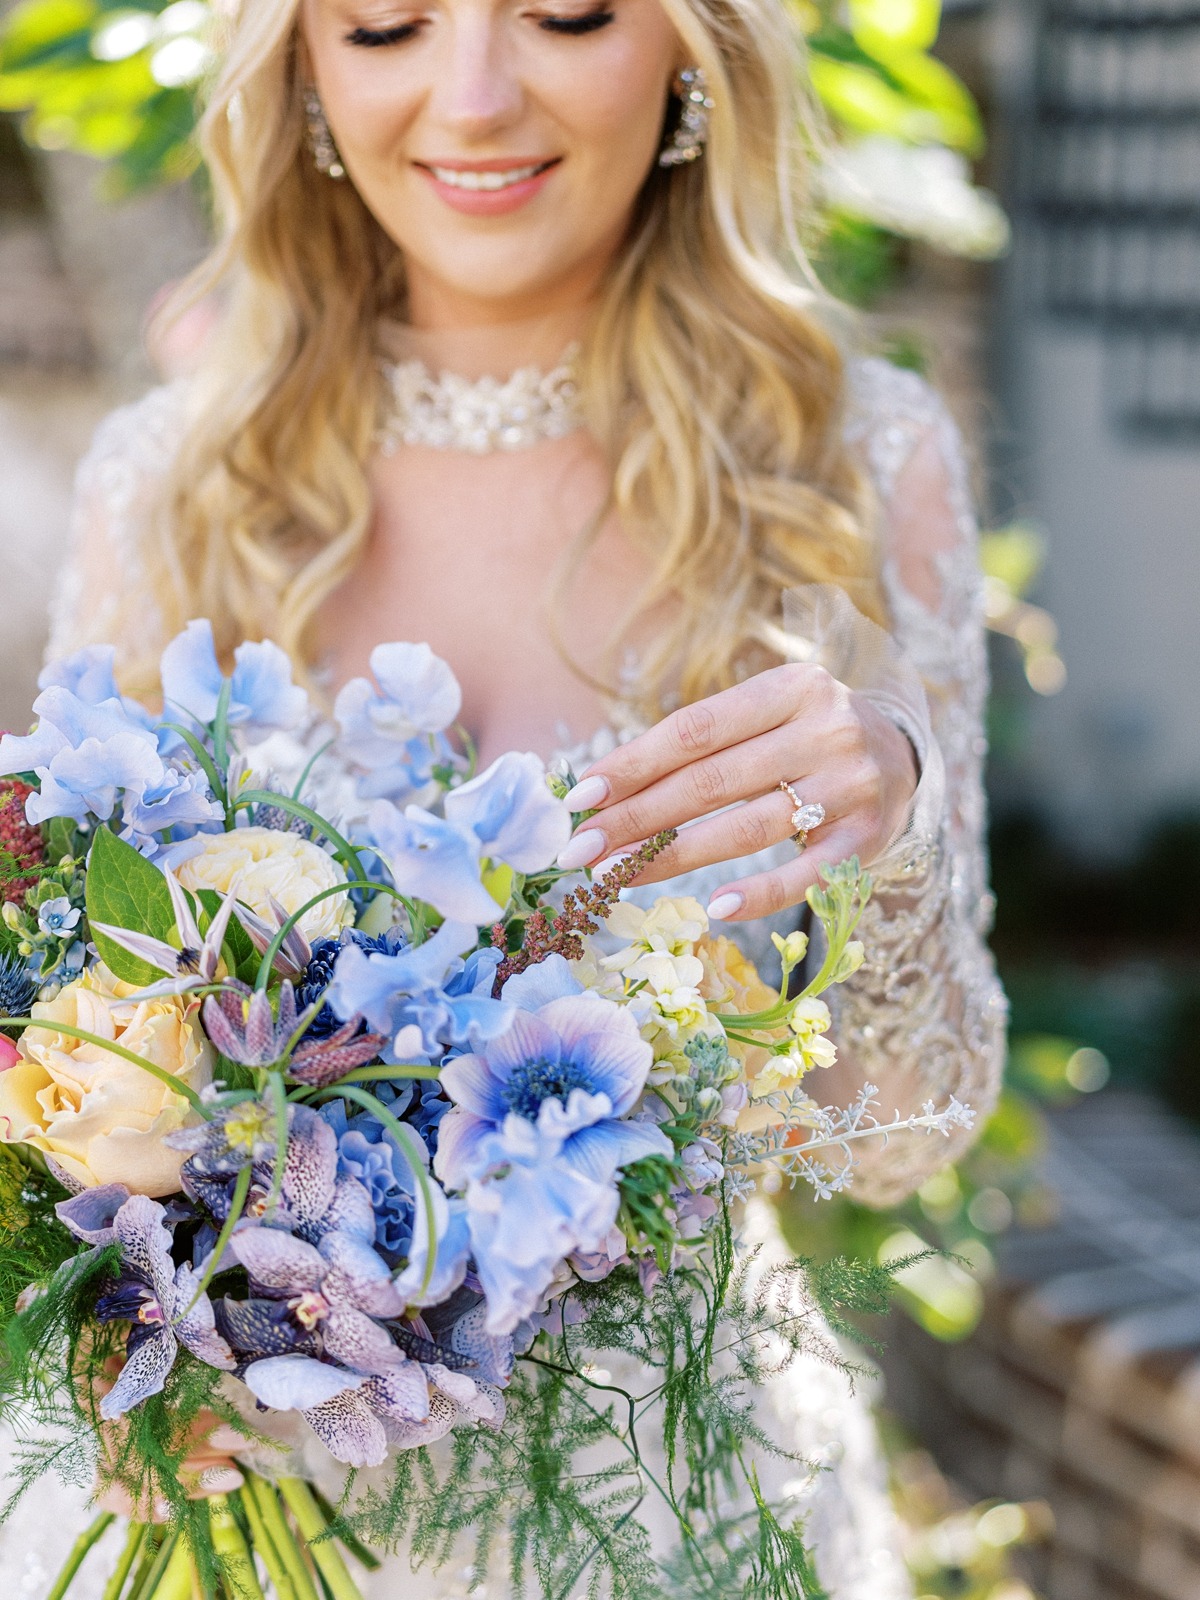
(323, 1551)
(147, 1583)
(267, 1502)
(265, 1546)
(94, 1530)
(237, 1567)
(134, 1541)
(176, 1580)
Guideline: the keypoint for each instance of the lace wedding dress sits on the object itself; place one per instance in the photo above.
(923, 1018)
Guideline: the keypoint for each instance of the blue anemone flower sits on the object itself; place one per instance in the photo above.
(576, 1067)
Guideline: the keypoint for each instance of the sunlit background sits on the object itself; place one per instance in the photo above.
(1012, 195)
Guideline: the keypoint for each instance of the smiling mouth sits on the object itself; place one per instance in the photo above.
(478, 180)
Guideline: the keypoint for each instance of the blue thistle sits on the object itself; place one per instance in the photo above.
(18, 987)
(317, 976)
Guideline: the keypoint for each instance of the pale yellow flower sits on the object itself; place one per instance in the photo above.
(99, 1118)
(268, 864)
(668, 927)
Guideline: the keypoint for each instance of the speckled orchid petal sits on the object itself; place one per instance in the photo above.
(144, 1373)
(194, 1323)
(401, 1394)
(260, 1327)
(350, 1430)
(145, 1243)
(350, 1211)
(359, 1343)
(310, 1170)
(90, 1215)
(492, 1353)
(277, 1262)
(357, 1276)
(443, 1414)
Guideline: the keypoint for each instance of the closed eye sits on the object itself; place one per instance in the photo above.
(375, 38)
(588, 23)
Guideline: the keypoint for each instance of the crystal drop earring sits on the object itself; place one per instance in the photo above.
(687, 142)
(320, 137)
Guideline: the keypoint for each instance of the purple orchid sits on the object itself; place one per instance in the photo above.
(157, 1298)
(575, 1068)
(317, 1333)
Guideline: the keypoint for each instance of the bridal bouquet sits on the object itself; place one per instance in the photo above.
(334, 1122)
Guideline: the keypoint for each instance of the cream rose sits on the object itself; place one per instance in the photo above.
(271, 865)
(99, 1118)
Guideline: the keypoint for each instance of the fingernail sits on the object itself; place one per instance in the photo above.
(587, 794)
(582, 849)
(609, 862)
(724, 905)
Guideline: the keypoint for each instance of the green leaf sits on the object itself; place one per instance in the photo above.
(61, 838)
(126, 891)
(240, 955)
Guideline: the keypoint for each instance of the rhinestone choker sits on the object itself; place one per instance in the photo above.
(449, 412)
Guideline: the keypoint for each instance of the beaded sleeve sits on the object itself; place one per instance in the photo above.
(104, 578)
(925, 1016)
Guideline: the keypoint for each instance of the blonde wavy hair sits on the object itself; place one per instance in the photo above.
(710, 377)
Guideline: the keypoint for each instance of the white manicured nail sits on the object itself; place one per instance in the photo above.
(587, 794)
(582, 849)
(724, 905)
(609, 862)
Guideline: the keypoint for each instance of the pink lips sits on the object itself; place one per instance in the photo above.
(489, 202)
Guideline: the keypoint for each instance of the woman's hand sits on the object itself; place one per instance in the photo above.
(793, 722)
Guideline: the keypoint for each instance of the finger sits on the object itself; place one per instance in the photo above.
(739, 832)
(744, 772)
(731, 717)
(766, 894)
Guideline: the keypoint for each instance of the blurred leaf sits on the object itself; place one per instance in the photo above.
(904, 24)
(1013, 555)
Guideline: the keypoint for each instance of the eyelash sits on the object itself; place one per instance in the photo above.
(374, 38)
(588, 23)
(377, 38)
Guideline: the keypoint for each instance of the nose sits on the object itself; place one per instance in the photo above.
(476, 89)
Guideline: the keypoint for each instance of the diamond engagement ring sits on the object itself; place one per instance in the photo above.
(807, 815)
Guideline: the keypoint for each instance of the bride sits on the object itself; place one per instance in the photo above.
(517, 353)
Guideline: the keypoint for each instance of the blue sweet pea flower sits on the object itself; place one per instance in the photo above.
(512, 813)
(181, 801)
(575, 1068)
(433, 860)
(262, 694)
(527, 1210)
(83, 756)
(414, 693)
(87, 673)
(427, 997)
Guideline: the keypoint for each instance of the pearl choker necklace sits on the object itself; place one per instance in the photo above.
(449, 412)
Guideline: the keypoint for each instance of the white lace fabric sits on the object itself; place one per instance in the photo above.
(923, 1018)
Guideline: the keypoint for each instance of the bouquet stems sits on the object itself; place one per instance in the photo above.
(79, 1550)
(324, 1552)
(134, 1541)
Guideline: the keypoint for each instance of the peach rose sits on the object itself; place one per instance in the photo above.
(99, 1118)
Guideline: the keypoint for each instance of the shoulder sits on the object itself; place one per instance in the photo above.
(134, 444)
(890, 413)
(913, 452)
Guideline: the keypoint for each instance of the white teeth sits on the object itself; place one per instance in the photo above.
(484, 180)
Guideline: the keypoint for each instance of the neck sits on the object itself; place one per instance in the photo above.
(486, 349)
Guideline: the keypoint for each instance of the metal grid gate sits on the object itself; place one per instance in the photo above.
(1109, 190)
